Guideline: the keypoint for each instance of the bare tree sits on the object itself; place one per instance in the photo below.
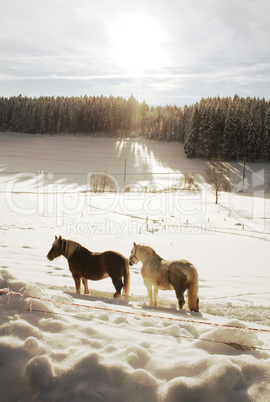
(188, 182)
(94, 182)
(216, 175)
(100, 182)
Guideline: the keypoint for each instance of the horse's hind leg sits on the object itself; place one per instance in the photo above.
(178, 280)
(179, 291)
(85, 284)
(180, 297)
(118, 284)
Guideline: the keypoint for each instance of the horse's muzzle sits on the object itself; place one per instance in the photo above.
(50, 257)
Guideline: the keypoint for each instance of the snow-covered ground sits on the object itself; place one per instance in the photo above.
(57, 346)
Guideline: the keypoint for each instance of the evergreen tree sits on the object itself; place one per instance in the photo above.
(191, 141)
(204, 140)
(266, 134)
(3, 114)
(229, 144)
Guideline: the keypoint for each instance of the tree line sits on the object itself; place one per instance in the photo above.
(213, 128)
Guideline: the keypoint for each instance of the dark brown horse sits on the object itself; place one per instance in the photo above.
(85, 264)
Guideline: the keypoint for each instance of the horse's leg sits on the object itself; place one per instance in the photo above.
(148, 285)
(150, 296)
(180, 297)
(77, 280)
(118, 284)
(178, 280)
(85, 284)
(155, 295)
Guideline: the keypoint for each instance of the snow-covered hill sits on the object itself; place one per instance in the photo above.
(57, 346)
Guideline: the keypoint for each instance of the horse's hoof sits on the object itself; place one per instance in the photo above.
(116, 295)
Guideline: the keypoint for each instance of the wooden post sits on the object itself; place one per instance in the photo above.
(125, 171)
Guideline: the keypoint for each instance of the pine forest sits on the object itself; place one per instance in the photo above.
(214, 128)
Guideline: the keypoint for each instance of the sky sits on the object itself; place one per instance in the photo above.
(164, 52)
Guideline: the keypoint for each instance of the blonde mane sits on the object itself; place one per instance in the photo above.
(69, 247)
(147, 252)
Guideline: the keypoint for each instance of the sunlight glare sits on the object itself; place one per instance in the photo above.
(138, 44)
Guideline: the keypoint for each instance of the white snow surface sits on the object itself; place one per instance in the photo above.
(59, 346)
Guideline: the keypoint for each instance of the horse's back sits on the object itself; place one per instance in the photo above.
(95, 266)
(113, 254)
(83, 263)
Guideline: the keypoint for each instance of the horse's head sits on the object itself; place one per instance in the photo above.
(56, 249)
(133, 259)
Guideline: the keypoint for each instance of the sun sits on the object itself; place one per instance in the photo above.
(138, 44)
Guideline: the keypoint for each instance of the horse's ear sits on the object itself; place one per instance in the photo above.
(60, 238)
(56, 237)
(134, 244)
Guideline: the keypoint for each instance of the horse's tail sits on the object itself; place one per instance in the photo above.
(193, 301)
(126, 279)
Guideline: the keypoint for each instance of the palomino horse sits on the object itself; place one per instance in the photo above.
(161, 274)
(85, 264)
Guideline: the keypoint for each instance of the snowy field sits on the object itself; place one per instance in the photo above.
(57, 346)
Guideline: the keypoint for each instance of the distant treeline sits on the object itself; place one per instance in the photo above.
(213, 128)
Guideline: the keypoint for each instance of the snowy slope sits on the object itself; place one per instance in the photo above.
(57, 346)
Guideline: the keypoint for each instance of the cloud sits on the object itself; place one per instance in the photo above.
(210, 47)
